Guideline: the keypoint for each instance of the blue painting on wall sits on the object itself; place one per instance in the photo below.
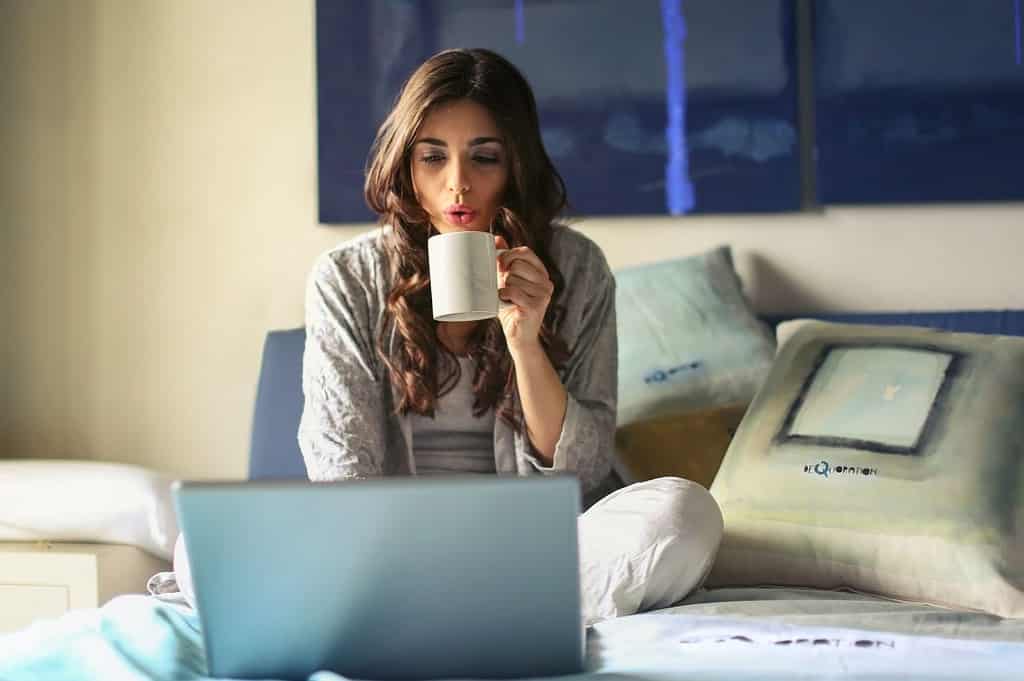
(918, 100)
(647, 108)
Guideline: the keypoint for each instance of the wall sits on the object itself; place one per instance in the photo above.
(159, 216)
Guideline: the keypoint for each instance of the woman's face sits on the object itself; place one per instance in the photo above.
(459, 167)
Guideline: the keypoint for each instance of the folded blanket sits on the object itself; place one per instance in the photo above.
(131, 638)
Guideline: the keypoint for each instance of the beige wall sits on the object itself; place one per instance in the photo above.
(159, 216)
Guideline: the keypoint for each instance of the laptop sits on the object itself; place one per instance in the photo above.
(391, 578)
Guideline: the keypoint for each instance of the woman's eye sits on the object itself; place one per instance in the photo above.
(486, 160)
(432, 158)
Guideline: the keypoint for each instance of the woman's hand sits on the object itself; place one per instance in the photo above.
(524, 283)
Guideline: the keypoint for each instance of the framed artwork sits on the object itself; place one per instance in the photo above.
(650, 108)
(918, 100)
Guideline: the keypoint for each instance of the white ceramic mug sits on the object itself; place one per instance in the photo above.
(463, 276)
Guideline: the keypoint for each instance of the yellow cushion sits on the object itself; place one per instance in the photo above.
(689, 445)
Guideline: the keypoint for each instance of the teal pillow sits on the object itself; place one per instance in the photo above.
(688, 339)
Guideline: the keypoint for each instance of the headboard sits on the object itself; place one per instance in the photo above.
(274, 449)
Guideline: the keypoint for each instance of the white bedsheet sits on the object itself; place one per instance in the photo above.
(675, 646)
(135, 637)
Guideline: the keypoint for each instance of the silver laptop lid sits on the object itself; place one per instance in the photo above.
(394, 578)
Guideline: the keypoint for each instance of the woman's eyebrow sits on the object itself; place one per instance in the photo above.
(476, 141)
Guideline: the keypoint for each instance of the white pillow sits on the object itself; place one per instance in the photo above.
(87, 501)
(646, 546)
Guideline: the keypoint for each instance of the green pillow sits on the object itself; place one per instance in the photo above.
(886, 459)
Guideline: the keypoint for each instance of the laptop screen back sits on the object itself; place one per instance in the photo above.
(395, 578)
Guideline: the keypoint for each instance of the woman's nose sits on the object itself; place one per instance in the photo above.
(457, 180)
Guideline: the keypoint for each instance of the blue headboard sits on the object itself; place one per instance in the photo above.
(274, 451)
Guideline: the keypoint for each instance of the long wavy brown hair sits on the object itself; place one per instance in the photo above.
(421, 368)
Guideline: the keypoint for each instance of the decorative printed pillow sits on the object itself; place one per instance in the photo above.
(688, 340)
(886, 459)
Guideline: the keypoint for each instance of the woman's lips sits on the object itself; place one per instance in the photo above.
(459, 215)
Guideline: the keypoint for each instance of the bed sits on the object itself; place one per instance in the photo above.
(754, 632)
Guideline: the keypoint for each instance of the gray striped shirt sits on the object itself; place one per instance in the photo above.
(453, 440)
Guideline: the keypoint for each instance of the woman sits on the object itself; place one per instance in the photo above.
(389, 391)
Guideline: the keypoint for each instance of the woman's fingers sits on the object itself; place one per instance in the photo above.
(522, 256)
(527, 271)
(532, 288)
(518, 297)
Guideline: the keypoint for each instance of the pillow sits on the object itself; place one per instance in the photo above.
(687, 445)
(646, 546)
(688, 339)
(87, 501)
(785, 330)
(886, 459)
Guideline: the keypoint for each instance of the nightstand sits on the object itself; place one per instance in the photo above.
(46, 579)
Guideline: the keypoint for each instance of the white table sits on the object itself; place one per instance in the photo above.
(47, 579)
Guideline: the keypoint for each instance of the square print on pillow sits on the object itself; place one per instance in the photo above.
(887, 459)
(872, 397)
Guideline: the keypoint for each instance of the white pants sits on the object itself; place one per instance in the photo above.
(646, 546)
(642, 547)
